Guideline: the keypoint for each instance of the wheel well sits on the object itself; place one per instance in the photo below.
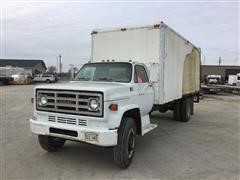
(135, 114)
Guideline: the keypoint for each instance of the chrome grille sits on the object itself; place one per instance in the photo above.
(51, 118)
(70, 102)
(82, 122)
(66, 120)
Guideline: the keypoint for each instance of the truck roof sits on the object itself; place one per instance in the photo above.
(214, 76)
(154, 26)
(113, 61)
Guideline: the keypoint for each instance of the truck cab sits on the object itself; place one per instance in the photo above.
(238, 79)
(103, 100)
(214, 79)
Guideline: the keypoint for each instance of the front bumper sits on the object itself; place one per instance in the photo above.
(96, 136)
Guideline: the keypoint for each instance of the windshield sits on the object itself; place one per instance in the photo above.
(116, 72)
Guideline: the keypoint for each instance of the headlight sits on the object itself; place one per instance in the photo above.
(93, 104)
(42, 100)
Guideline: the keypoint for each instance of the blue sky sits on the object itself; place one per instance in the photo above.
(42, 30)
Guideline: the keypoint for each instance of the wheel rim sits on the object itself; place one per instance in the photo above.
(131, 143)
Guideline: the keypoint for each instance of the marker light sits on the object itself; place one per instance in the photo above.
(113, 107)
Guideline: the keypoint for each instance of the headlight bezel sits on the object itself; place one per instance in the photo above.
(91, 106)
(42, 100)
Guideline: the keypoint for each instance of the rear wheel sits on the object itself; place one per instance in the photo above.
(177, 110)
(50, 144)
(182, 109)
(124, 151)
(185, 109)
(48, 81)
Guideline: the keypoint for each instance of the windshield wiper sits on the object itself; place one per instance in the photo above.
(104, 79)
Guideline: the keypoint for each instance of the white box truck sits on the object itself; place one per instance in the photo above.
(232, 79)
(132, 72)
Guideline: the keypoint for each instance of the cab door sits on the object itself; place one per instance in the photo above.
(145, 90)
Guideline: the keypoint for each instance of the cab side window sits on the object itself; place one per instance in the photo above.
(140, 75)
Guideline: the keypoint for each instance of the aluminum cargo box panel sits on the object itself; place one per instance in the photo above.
(191, 72)
(140, 45)
(181, 68)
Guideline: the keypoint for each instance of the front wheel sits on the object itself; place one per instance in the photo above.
(124, 151)
(50, 144)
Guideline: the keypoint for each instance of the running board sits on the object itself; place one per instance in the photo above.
(148, 128)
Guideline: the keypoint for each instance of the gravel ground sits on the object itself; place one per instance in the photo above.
(207, 147)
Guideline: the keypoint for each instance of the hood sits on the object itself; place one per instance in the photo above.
(111, 90)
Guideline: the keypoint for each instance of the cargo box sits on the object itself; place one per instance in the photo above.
(173, 62)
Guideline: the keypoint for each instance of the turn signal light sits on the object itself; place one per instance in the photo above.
(32, 100)
(113, 107)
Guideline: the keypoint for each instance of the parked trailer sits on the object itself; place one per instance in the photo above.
(210, 89)
(14, 75)
(5, 80)
(229, 89)
(5, 75)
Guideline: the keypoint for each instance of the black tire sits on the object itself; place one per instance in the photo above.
(150, 113)
(177, 110)
(124, 151)
(185, 109)
(50, 144)
(192, 105)
(48, 81)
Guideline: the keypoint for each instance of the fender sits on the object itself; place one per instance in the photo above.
(116, 117)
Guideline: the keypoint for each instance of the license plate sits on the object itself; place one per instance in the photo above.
(89, 136)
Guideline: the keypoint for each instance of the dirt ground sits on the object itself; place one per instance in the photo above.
(207, 147)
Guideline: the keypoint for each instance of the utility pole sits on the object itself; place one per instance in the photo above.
(57, 65)
(72, 73)
(219, 61)
(60, 64)
(204, 59)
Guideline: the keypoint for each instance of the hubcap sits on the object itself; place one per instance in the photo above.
(131, 143)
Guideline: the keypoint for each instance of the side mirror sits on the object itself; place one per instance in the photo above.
(151, 83)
